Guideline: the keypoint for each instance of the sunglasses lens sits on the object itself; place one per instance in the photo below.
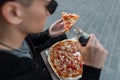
(52, 6)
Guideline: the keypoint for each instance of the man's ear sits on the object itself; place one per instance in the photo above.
(12, 12)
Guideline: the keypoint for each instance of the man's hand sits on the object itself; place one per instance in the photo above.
(57, 28)
(94, 54)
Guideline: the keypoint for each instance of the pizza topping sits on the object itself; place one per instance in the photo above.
(77, 54)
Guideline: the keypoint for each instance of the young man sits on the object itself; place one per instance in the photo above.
(21, 24)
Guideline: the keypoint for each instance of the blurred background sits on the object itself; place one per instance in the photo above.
(101, 17)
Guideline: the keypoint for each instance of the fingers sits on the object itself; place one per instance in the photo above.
(94, 54)
(58, 33)
(92, 41)
(100, 47)
(61, 25)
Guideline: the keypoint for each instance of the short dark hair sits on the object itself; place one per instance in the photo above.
(24, 2)
(51, 7)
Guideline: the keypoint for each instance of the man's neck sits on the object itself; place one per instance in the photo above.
(12, 38)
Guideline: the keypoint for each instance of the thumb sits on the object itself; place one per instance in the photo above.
(91, 41)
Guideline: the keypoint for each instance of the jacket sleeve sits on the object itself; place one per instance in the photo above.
(90, 73)
(50, 42)
(43, 41)
(40, 38)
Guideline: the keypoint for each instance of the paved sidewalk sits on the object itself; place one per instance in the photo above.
(101, 17)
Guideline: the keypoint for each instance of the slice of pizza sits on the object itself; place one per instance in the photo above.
(69, 20)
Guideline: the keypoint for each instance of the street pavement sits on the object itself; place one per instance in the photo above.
(101, 17)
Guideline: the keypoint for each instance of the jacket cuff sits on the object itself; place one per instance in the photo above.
(47, 33)
(90, 73)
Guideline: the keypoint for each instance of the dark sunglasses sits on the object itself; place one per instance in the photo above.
(52, 6)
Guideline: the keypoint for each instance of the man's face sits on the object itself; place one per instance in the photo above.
(34, 17)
